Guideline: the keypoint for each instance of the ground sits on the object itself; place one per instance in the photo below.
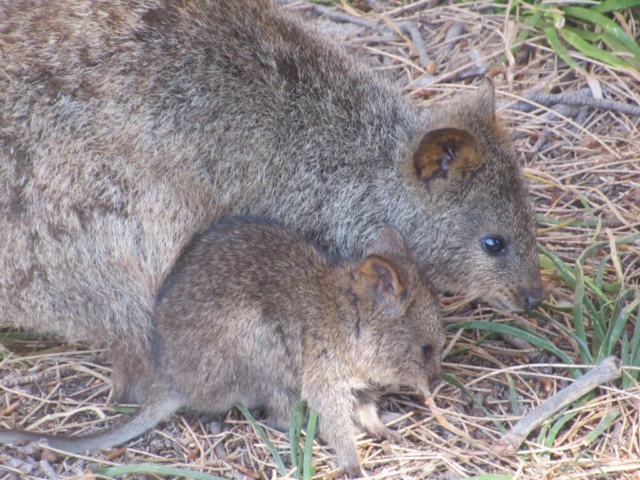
(584, 173)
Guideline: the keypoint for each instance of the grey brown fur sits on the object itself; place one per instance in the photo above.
(253, 313)
(126, 127)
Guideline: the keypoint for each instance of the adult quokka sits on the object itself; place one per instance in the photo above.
(254, 313)
(126, 127)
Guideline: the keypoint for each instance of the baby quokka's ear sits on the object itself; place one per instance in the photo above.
(380, 286)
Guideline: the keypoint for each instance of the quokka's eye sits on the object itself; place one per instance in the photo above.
(427, 349)
(494, 245)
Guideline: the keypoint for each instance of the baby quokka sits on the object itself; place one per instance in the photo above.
(254, 313)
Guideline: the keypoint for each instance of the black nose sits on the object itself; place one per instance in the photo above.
(533, 298)
(434, 381)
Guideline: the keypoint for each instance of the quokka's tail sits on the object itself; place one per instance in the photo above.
(158, 406)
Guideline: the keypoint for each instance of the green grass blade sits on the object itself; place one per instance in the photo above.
(152, 468)
(557, 426)
(263, 435)
(617, 325)
(635, 344)
(592, 52)
(613, 5)
(599, 326)
(23, 336)
(634, 355)
(563, 271)
(578, 320)
(570, 333)
(513, 395)
(601, 269)
(612, 287)
(625, 356)
(587, 206)
(530, 337)
(587, 35)
(297, 418)
(554, 41)
(605, 424)
(617, 46)
(608, 25)
(591, 250)
(307, 466)
(531, 21)
(564, 223)
(555, 308)
(544, 430)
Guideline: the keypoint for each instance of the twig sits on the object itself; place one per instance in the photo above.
(418, 41)
(542, 140)
(580, 118)
(477, 68)
(373, 39)
(574, 99)
(609, 369)
(215, 428)
(452, 35)
(407, 27)
(40, 377)
(48, 470)
(338, 16)
(19, 465)
(414, 7)
(557, 113)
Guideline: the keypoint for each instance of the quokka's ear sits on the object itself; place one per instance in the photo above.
(446, 153)
(389, 241)
(380, 282)
(486, 101)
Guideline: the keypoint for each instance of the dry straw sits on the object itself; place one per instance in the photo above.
(584, 171)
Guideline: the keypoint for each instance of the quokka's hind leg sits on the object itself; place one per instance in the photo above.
(132, 374)
(280, 408)
(366, 414)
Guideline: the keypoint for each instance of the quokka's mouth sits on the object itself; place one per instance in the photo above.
(504, 304)
(423, 388)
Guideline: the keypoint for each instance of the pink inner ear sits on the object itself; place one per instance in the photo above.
(386, 277)
(388, 284)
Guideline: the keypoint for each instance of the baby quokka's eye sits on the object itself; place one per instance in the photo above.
(427, 350)
(494, 245)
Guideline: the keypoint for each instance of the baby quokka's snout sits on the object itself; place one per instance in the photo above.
(434, 379)
(429, 383)
(533, 296)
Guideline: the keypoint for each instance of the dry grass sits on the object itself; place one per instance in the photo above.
(594, 152)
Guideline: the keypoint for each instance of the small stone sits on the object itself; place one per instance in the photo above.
(49, 456)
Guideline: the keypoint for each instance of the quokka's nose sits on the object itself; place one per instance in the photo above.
(533, 297)
(434, 381)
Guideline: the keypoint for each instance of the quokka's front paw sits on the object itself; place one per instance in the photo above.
(387, 434)
(351, 471)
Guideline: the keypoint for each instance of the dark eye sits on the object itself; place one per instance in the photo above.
(493, 244)
(427, 349)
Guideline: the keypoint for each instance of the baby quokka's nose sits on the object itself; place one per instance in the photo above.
(434, 381)
(532, 297)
